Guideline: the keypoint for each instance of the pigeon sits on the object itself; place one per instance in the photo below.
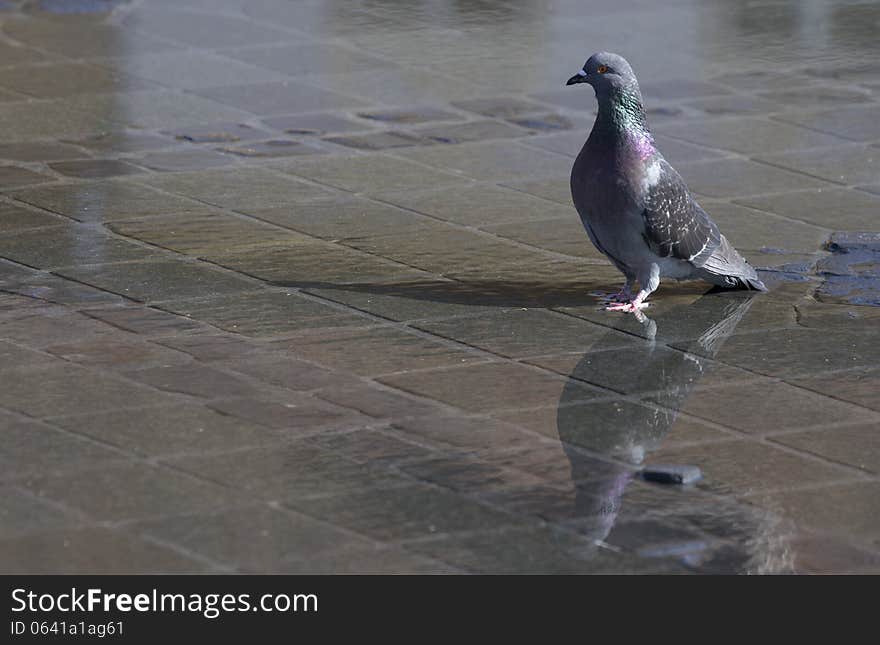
(635, 207)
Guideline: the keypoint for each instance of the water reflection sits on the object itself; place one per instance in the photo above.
(641, 429)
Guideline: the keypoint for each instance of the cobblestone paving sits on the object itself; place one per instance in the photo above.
(296, 286)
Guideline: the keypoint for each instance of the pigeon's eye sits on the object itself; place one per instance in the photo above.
(602, 69)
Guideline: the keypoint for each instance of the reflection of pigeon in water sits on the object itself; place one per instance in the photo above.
(642, 428)
(635, 206)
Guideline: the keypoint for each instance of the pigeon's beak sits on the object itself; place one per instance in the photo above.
(580, 77)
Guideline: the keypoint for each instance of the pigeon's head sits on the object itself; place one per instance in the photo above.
(606, 72)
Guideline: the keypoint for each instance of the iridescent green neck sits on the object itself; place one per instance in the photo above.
(621, 112)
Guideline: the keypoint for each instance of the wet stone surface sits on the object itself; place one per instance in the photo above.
(298, 287)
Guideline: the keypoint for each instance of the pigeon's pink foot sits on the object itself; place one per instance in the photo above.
(632, 306)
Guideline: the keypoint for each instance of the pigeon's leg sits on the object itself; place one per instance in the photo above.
(649, 283)
(626, 291)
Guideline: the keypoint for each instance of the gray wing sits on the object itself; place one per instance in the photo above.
(675, 225)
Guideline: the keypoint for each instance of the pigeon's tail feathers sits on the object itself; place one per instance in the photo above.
(727, 268)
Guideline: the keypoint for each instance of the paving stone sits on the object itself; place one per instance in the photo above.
(734, 105)
(565, 236)
(409, 116)
(297, 414)
(64, 79)
(291, 373)
(746, 467)
(373, 174)
(131, 491)
(377, 403)
(307, 58)
(631, 368)
(94, 169)
(400, 86)
(193, 379)
(115, 354)
(212, 346)
(532, 550)
(854, 123)
(479, 205)
(370, 445)
(200, 235)
(69, 245)
(469, 434)
(518, 333)
(189, 69)
(169, 429)
(158, 280)
(406, 299)
(264, 313)
(676, 89)
(856, 386)
(818, 96)
(543, 122)
(468, 475)
(217, 133)
(447, 250)
(268, 99)
(555, 189)
(315, 124)
(183, 160)
(750, 231)
(471, 131)
(368, 352)
(89, 39)
(817, 350)
(144, 320)
(292, 472)
(152, 109)
(372, 561)
(844, 509)
(13, 176)
(379, 140)
(847, 209)
(38, 151)
(14, 218)
(769, 407)
(67, 389)
(341, 220)
(107, 200)
(274, 148)
(13, 54)
(737, 177)
(487, 387)
(748, 135)
(315, 264)
(96, 550)
(400, 513)
(203, 29)
(502, 107)
(845, 165)
(21, 121)
(815, 554)
(253, 539)
(22, 514)
(239, 188)
(491, 161)
(33, 449)
(857, 445)
(120, 142)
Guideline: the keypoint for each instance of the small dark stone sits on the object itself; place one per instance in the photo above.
(672, 474)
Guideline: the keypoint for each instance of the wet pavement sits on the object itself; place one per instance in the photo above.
(298, 287)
